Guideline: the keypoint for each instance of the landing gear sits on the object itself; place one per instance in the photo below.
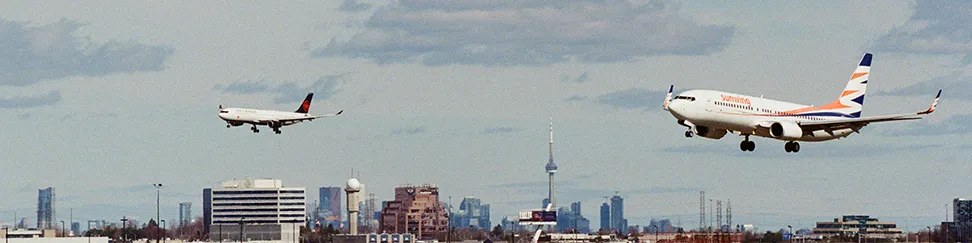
(228, 126)
(747, 145)
(688, 133)
(254, 129)
(276, 130)
(791, 147)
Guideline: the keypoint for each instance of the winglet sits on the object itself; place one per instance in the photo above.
(339, 112)
(933, 105)
(668, 98)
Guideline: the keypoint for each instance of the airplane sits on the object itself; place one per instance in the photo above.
(712, 114)
(274, 119)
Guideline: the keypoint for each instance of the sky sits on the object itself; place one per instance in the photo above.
(102, 99)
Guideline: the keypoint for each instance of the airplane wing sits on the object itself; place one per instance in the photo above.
(307, 117)
(857, 123)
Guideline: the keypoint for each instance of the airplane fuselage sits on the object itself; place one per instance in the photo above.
(240, 116)
(717, 110)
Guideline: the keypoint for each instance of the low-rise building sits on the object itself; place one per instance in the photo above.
(862, 225)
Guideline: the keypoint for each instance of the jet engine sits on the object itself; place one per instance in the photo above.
(710, 132)
(236, 124)
(786, 130)
(273, 124)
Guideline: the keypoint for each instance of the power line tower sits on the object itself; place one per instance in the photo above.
(701, 211)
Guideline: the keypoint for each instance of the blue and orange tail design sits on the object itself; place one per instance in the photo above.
(850, 103)
(305, 106)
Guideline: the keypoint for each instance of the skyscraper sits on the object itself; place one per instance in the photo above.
(45, 209)
(264, 208)
(331, 203)
(185, 213)
(471, 213)
(551, 169)
(618, 221)
(605, 216)
(416, 210)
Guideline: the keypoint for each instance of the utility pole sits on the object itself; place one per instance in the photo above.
(158, 193)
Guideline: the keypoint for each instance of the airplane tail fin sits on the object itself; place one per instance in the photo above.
(305, 106)
(852, 98)
(668, 98)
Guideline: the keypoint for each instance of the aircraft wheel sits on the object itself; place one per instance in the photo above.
(256, 130)
(788, 146)
(688, 134)
(751, 145)
(227, 126)
(744, 146)
(796, 147)
(277, 131)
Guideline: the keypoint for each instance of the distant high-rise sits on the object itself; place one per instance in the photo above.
(416, 210)
(618, 221)
(185, 213)
(471, 213)
(330, 206)
(76, 228)
(605, 216)
(962, 210)
(551, 169)
(45, 209)
(571, 220)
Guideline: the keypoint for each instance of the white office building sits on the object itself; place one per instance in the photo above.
(256, 209)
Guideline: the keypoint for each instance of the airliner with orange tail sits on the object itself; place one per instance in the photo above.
(713, 114)
(273, 119)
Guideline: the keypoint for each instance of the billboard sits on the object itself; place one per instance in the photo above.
(538, 217)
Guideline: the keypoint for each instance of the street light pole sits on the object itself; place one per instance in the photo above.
(241, 229)
(62, 229)
(163, 229)
(158, 193)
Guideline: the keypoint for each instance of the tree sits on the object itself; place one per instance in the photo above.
(497, 231)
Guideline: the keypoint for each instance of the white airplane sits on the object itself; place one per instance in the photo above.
(273, 119)
(712, 114)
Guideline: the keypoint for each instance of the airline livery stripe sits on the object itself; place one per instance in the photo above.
(857, 75)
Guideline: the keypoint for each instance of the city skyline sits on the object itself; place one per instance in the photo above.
(107, 103)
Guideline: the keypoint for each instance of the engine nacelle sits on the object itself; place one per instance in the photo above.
(786, 130)
(273, 124)
(709, 132)
(236, 124)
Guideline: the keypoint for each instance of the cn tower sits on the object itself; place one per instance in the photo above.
(551, 169)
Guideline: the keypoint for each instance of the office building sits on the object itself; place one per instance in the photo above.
(416, 210)
(46, 216)
(185, 213)
(471, 213)
(330, 203)
(864, 225)
(571, 220)
(961, 226)
(618, 222)
(605, 216)
(262, 209)
(75, 228)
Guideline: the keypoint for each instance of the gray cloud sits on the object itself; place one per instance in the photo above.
(957, 124)
(533, 32)
(353, 6)
(408, 131)
(633, 98)
(953, 86)
(287, 92)
(576, 98)
(31, 101)
(937, 27)
(30, 54)
(495, 130)
(580, 79)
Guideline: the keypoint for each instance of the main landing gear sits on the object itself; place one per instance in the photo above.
(254, 129)
(689, 133)
(276, 130)
(791, 147)
(747, 145)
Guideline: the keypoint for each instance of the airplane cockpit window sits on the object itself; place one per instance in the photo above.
(688, 98)
(224, 111)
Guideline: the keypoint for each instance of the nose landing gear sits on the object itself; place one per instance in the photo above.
(689, 133)
(254, 129)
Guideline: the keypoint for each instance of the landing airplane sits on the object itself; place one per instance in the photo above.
(273, 119)
(712, 114)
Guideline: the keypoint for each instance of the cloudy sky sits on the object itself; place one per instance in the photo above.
(102, 99)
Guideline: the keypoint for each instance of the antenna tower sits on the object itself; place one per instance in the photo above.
(701, 211)
(718, 216)
(729, 214)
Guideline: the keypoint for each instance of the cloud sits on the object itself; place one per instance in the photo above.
(532, 32)
(953, 86)
(287, 92)
(408, 131)
(31, 101)
(30, 54)
(580, 79)
(496, 130)
(633, 98)
(773, 149)
(938, 27)
(576, 98)
(957, 124)
(353, 6)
